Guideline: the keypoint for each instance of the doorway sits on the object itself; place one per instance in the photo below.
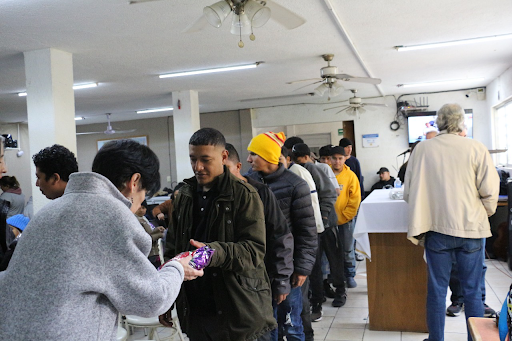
(348, 132)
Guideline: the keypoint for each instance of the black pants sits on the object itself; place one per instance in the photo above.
(207, 328)
(329, 242)
(306, 312)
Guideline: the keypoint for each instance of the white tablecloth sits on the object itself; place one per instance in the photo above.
(379, 214)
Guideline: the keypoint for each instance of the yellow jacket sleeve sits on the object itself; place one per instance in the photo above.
(354, 199)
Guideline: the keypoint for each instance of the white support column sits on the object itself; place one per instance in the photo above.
(186, 122)
(50, 105)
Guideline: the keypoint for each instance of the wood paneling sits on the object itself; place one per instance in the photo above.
(397, 284)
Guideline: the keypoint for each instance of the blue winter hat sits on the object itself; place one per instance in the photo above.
(19, 221)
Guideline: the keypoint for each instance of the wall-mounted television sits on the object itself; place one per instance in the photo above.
(420, 123)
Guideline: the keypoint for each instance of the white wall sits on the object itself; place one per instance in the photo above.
(371, 122)
(235, 125)
(19, 166)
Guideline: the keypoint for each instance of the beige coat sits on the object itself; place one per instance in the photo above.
(451, 186)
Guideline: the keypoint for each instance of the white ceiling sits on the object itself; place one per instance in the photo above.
(124, 48)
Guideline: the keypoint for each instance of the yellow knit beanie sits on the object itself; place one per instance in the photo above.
(268, 146)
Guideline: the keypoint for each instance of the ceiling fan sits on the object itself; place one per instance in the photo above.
(109, 131)
(329, 79)
(356, 105)
(247, 14)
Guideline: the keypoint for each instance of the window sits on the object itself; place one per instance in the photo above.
(503, 133)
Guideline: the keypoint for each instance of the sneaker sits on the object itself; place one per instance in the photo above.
(328, 289)
(454, 309)
(351, 282)
(339, 300)
(316, 312)
(489, 312)
(359, 257)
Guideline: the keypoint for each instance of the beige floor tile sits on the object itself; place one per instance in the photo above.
(406, 336)
(349, 322)
(352, 312)
(339, 334)
(455, 337)
(325, 322)
(375, 335)
(320, 333)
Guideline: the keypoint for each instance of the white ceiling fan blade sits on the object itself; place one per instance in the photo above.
(364, 107)
(284, 16)
(197, 25)
(376, 104)
(302, 87)
(90, 133)
(340, 106)
(124, 131)
(348, 78)
(305, 80)
(344, 109)
(134, 2)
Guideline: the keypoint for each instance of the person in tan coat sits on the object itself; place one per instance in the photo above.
(452, 187)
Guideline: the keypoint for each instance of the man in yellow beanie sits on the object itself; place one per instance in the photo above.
(293, 195)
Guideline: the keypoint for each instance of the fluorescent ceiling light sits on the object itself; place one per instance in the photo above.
(220, 69)
(411, 85)
(84, 86)
(79, 118)
(75, 87)
(453, 42)
(154, 110)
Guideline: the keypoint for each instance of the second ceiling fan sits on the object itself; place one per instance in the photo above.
(330, 77)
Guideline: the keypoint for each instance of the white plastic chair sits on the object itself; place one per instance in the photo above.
(152, 324)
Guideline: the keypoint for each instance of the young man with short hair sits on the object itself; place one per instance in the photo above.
(53, 166)
(293, 195)
(232, 301)
(346, 207)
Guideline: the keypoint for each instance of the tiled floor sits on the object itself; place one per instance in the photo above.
(351, 321)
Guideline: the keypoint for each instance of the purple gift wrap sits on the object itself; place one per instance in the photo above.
(200, 257)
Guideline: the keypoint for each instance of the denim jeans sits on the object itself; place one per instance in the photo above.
(347, 233)
(457, 297)
(288, 317)
(440, 249)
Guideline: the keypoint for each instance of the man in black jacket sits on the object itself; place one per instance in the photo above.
(279, 251)
(293, 195)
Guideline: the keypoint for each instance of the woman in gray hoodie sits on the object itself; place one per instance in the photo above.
(83, 258)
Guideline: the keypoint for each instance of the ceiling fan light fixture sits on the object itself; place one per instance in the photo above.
(258, 14)
(321, 89)
(241, 25)
(336, 89)
(217, 13)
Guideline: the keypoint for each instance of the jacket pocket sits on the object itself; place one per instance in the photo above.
(252, 284)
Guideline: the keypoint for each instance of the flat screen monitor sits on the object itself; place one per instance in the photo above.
(420, 123)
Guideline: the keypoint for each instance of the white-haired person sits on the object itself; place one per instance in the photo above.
(452, 187)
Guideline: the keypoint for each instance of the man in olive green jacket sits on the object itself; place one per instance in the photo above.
(233, 299)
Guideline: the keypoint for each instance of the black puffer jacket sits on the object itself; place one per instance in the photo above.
(293, 195)
(279, 250)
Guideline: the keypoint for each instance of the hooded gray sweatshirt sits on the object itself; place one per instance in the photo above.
(83, 259)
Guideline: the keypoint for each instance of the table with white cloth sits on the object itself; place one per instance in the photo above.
(396, 270)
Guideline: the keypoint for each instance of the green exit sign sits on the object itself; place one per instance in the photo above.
(340, 132)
